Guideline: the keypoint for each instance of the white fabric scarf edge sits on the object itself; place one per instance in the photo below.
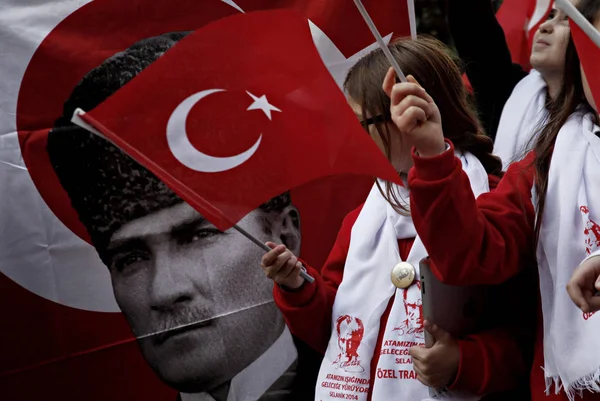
(479, 183)
(589, 382)
(527, 103)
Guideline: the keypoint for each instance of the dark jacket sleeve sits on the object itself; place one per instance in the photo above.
(496, 229)
(480, 43)
(495, 361)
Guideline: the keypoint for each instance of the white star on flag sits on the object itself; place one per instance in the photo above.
(261, 103)
(337, 64)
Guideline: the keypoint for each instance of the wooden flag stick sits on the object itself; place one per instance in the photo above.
(379, 39)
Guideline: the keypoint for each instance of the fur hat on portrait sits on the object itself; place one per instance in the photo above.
(106, 187)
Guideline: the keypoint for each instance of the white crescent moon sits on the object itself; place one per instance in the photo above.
(186, 153)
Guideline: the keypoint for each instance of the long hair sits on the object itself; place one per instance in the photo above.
(570, 97)
(433, 66)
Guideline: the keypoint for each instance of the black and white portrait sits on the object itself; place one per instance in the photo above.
(195, 297)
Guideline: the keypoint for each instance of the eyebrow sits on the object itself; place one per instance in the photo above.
(187, 226)
(126, 244)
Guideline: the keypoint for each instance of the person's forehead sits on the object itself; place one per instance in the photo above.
(159, 222)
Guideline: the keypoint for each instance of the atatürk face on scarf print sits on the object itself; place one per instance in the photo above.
(200, 291)
(414, 311)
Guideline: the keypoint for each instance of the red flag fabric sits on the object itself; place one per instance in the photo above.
(589, 56)
(334, 17)
(67, 334)
(233, 115)
(520, 19)
(59, 63)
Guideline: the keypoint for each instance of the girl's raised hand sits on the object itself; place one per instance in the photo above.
(415, 114)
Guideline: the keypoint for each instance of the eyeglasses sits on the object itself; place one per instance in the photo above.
(373, 120)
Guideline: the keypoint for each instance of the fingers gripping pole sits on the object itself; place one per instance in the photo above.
(252, 238)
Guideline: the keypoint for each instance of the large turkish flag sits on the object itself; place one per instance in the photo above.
(65, 338)
(230, 85)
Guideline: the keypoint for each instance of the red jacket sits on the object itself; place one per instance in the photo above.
(491, 361)
(496, 240)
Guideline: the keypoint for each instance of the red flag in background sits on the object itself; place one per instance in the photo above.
(61, 336)
(589, 56)
(241, 111)
(520, 19)
(332, 21)
(338, 29)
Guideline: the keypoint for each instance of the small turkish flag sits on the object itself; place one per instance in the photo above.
(589, 56)
(236, 113)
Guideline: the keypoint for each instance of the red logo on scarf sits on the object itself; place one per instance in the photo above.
(591, 231)
(350, 332)
(413, 306)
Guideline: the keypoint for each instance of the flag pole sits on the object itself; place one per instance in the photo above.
(412, 18)
(252, 238)
(580, 20)
(77, 120)
(379, 39)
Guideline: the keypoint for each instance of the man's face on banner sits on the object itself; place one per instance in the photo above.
(414, 310)
(195, 297)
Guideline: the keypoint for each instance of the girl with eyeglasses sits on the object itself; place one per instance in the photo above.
(364, 310)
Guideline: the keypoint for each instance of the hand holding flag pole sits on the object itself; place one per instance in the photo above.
(138, 118)
(379, 39)
(252, 238)
(77, 120)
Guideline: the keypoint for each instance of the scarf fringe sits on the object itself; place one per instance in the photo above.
(588, 383)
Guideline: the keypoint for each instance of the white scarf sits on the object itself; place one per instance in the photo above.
(524, 110)
(570, 232)
(362, 299)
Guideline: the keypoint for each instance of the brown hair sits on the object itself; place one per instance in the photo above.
(570, 97)
(436, 69)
